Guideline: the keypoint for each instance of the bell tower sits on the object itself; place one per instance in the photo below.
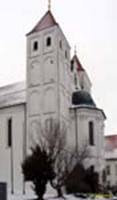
(48, 75)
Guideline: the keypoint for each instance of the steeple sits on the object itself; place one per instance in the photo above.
(83, 77)
(46, 21)
(49, 4)
(75, 50)
(76, 60)
(48, 72)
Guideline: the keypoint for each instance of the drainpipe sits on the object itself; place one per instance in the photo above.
(76, 128)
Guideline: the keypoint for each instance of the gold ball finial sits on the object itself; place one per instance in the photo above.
(49, 4)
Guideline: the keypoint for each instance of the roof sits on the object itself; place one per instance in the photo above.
(12, 94)
(78, 107)
(111, 147)
(82, 97)
(46, 21)
(79, 65)
(111, 155)
(110, 142)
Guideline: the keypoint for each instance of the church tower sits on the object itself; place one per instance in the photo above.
(48, 75)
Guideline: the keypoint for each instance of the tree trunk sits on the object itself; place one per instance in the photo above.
(40, 198)
(57, 188)
(59, 192)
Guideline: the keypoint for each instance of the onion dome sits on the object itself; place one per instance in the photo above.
(82, 97)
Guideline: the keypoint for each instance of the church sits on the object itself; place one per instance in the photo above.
(57, 87)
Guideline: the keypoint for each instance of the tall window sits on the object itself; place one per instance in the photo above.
(48, 41)
(75, 80)
(60, 44)
(66, 55)
(116, 169)
(72, 65)
(108, 170)
(9, 126)
(35, 46)
(91, 133)
(104, 176)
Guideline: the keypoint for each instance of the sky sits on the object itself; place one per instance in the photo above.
(91, 25)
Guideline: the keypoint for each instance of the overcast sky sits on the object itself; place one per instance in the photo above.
(90, 24)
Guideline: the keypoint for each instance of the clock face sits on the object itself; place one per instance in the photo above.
(35, 73)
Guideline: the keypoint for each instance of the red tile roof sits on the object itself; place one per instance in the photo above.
(46, 21)
(111, 142)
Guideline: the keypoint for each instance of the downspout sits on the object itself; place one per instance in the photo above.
(24, 143)
(76, 128)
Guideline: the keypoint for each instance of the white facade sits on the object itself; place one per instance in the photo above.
(111, 175)
(111, 160)
(56, 87)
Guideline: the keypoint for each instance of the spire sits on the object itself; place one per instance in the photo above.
(49, 4)
(46, 21)
(75, 50)
(76, 60)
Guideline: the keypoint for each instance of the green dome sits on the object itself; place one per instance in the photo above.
(82, 97)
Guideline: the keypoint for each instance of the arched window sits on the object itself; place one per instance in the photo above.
(9, 132)
(108, 170)
(104, 176)
(72, 65)
(75, 80)
(48, 41)
(35, 46)
(91, 133)
(60, 44)
(66, 55)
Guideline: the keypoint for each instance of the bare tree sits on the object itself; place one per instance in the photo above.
(53, 140)
(83, 153)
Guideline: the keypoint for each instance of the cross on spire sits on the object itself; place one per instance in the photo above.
(49, 4)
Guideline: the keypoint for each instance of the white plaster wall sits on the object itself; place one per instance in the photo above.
(49, 100)
(43, 56)
(35, 73)
(72, 132)
(49, 82)
(44, 90)
(41, 38)
(112, 178)
(17, 113)
(96, 152)
(34, 102)
(49, 69)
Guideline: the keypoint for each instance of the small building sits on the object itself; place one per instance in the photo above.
(111, 160)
